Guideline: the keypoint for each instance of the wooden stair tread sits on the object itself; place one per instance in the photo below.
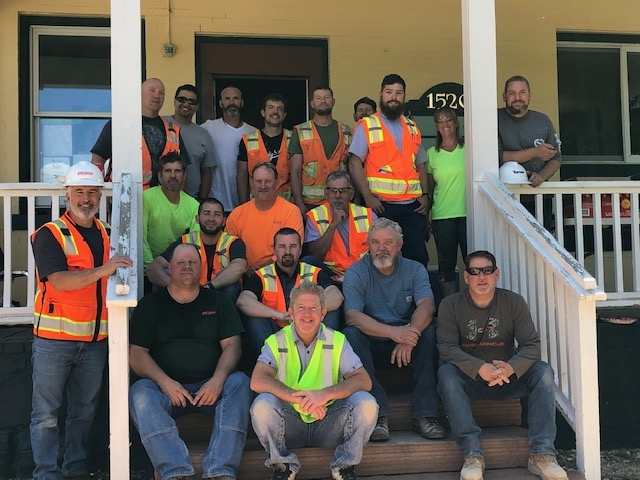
(417, 455)
(489, 474)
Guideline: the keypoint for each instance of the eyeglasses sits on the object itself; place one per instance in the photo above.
(190, 101)
(485, 270)
(336, 191)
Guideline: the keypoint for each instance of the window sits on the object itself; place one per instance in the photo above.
(599, 98)
(70, 95)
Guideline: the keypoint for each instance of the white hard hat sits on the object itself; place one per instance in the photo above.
(84, 174)
(513, 172)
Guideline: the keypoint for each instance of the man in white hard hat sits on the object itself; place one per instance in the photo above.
(69, 349)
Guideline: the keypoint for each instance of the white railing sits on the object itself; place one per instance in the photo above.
(562, 297)
(30, 205)
(605, 234)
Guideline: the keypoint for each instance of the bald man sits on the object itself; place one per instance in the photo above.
(226, 133)
(159, 136)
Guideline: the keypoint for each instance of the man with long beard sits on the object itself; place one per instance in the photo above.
(73, 262)
(388, 166)
(389, 314)
(317, 148)
(223, 256)
(226, 133)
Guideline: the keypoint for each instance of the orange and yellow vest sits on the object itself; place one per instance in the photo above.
(172, 144)
(272, 292)
(315, 164)
(360, 219)
(220, 257)
(257, 152)
(324, 365)
(391, 174)
(77, 315)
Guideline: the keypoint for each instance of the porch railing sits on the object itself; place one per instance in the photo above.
(562, 297)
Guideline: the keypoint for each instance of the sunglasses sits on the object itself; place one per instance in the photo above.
(190, 101)
(336, 191)
(484, 270)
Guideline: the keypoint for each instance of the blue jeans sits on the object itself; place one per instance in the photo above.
(79, 366)
(414, 229)
(424, 362)
(458, 390)
(259, 329)
(347, 425)
(153, 416)
(449, 233)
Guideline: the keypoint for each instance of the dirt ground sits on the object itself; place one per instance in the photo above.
(619, 464)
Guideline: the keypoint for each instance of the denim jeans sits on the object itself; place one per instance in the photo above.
(79, 366)
(153, 415)
(449, 233)
(458, 390)
(347, 425)
(259, 329)
(414, 229)
(424, 362)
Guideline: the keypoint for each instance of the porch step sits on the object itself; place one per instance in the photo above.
(489, 474)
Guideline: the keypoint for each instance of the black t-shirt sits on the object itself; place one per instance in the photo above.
(237, 249)
(50, 257)
(154, 136)
(254, 282)
(272, 144)
(184, 338)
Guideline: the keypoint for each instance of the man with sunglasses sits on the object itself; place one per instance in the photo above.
(477, 330)
(336, 231)
(196, 140)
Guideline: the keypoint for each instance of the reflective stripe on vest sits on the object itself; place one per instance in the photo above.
(171, 144)
(76, 315)
(324, 365)
(220, 257)
(338, 258)
(257, 152)
(272, 293)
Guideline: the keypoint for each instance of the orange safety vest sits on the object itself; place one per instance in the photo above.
(360, 219)
(220, 257)
(257, 152)
(172, 144)
(315, 164)
(272, 293)
(391, 174)
(77, 315)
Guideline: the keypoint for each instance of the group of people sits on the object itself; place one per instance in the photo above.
(325, 289)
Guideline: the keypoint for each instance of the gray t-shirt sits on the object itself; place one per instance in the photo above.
(200, 148)
(390, 299)
(530, 131)
(469, 336)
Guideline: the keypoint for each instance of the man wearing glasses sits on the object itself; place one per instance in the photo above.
(196, 140)
(476, 332)
(336, 232)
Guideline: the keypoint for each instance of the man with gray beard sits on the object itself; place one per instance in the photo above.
(389, 314)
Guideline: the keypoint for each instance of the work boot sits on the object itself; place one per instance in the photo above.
(428, 427)
(473, 468)
(546, 467)
(347, 473)
(381, 432)
(281, 471)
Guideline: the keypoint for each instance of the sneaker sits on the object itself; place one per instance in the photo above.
(348, 473)
(546, 467)
(281, 471)
(473, 468)
(428, 427)
(381, 432)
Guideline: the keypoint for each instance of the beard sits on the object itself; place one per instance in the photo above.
(392, 113)
(211, 231)
(232, 111)
(288, 261)
(382, 262)
(85, 212)
(517, 110)
(324, 111)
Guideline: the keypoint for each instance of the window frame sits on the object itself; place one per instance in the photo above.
(623, 49)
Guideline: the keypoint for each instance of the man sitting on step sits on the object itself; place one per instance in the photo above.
(477, 329)
(389, 311)
(312, 391)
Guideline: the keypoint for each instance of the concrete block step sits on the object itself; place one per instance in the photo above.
(405, 453)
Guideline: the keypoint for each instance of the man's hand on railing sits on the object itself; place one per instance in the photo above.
(116, 262)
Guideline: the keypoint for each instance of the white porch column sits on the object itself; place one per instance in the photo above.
(480, 114)
(126, 133)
